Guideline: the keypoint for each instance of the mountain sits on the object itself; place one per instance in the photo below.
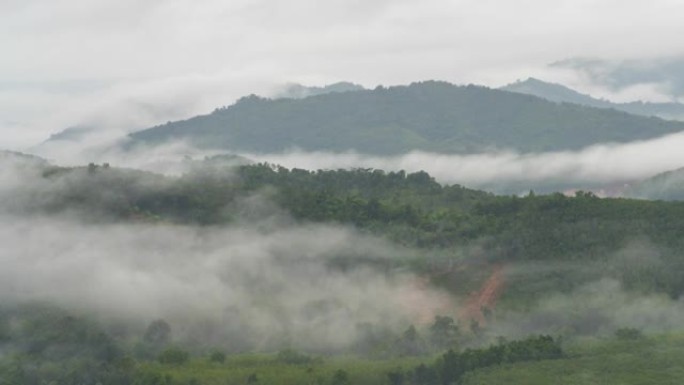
(429, 116)
(561, 94)
(667, 186)
(74, 133)
(298, 91)
(20, 157)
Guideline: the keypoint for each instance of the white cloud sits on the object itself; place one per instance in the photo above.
(246, 44)
(604, 164)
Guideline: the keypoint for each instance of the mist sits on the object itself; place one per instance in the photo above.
(266, 281)
(128, 65)
(598, 166)
(594, 298)
(604, 168)
(242, 287)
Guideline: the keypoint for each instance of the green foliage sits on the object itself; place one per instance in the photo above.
(454, 365)
(158, 333)
(647, 361)
(444, 332)
(293, 357)
(263, 369)
(217, 357)
(340, 378)
(173, 356)
(407, 209)
(43, 344)
(428, 116)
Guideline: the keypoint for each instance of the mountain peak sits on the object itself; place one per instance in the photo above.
(299, 91)
(559, 93)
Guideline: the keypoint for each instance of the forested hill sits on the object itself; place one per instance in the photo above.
(666, 186)
(562, 94)
(411, 209)
(429, 116)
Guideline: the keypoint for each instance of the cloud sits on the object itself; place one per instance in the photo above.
(610, 166)
(114, 108)
(265, 282)
(262, 282)
(665, 74)
(249, 286)
(130, 52)
(599, 165)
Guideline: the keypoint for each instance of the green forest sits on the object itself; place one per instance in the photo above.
(427, 116)
(522, 258)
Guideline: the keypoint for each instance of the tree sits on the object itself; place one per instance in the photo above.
(218, 357)
(340, 378)
(443, 332)
(158, 333)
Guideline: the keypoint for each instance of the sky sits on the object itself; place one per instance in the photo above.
(124, 65)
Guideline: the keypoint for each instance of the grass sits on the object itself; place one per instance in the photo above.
(656, 360)
(653, 360)
(264, 369)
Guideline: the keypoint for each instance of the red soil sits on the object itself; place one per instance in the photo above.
(485, 298)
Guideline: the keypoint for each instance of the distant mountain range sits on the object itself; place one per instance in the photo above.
(561, 94)
(429, 116)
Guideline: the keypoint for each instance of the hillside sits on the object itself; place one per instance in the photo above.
(642, 361)
(667, 186)
(502, 270)
(410, 210)
(428, 116)
(561, 94)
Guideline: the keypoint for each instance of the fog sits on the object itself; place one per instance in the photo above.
(594, 298)
(71, 61)
(266, 281)
(603, 168)
(245, 286)
(663, 76)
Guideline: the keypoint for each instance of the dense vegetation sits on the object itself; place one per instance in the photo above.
(408, 209)
(51, 346)
(667, 186)
(429, 116)
(549, 244)
(643, 361)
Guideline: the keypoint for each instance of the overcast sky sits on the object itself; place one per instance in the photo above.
(127, 64)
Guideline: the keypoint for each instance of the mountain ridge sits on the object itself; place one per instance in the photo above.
(562, 94)
(427, 116)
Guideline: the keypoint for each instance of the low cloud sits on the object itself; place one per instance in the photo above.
(263, 282)
(596, 166)
(603, 166)
(112, 108)
(243, 285)
(640, 77)
(267, 282)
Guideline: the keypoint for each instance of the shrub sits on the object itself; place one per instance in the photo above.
(173, 356)
(218, 357)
